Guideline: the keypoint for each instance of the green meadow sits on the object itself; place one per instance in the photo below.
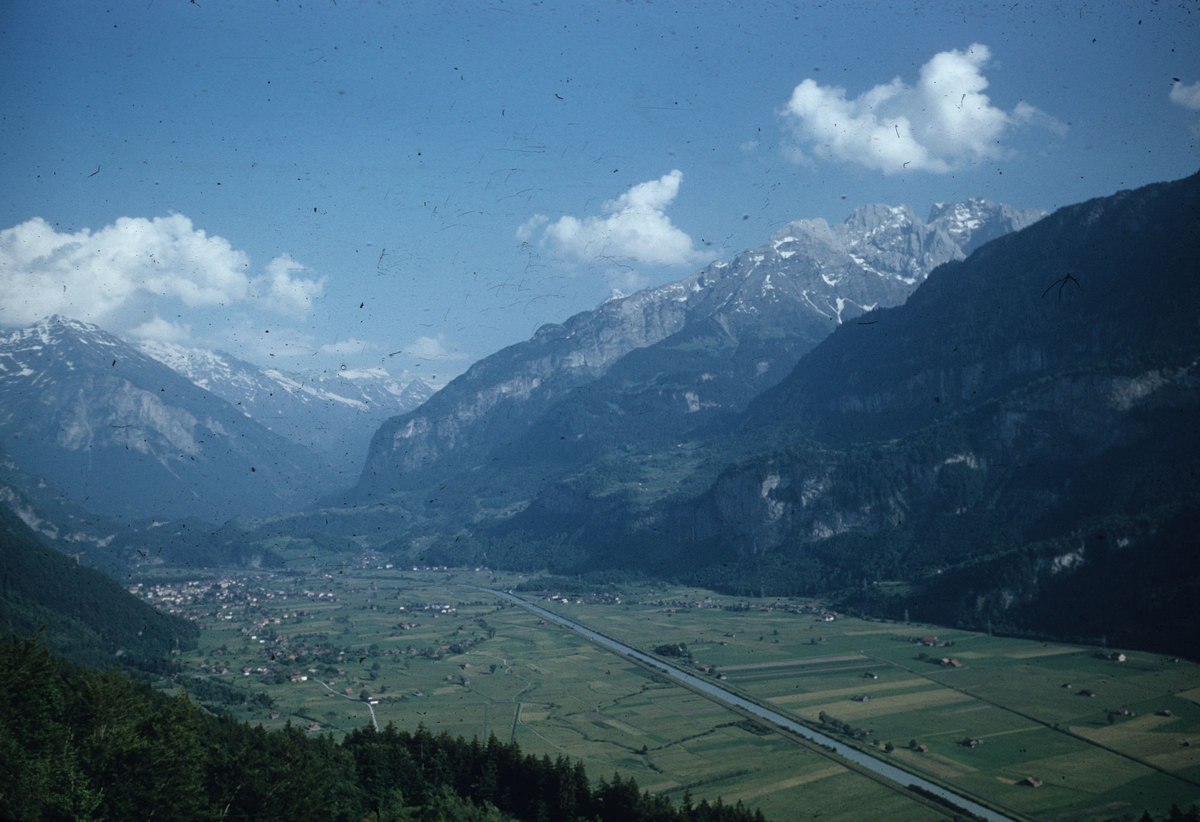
(324, 647)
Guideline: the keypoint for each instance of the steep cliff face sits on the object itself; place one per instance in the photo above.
(668, 360)
(1047, 386)
(497, 397)
(1060, 429)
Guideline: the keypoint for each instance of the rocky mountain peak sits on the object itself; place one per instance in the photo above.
(57, 324)
(58, 344)
(868, 219)
(975, 221)
(122, 433)
(707, 343)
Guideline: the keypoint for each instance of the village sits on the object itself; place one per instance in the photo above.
(292, 631)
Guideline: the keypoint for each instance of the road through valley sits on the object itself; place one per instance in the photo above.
(714, 690)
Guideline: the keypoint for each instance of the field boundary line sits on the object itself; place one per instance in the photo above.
(1052, 727)
(947, 806)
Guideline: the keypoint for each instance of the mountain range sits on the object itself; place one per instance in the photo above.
(988, 418)
(159, 431)
(333, 413)
(1016, 446)
(644, 370)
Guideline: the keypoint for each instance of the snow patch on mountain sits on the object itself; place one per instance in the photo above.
(333, 412)
(787, 294)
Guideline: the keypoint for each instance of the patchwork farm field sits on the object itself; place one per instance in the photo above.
(1046, 731)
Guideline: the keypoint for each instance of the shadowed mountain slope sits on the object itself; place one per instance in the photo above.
(1030, 416)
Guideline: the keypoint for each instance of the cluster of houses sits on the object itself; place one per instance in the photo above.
(227, 599)
(434, 608)
(821, 613)
(594, 598)
(256, 610)
(930, 641)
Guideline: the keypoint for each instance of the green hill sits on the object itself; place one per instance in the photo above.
(83, 615)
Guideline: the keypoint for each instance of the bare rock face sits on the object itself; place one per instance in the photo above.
(125, 435)
(706, 344)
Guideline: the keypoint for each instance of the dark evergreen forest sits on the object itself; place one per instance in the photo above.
(80, 744)
(81, 614)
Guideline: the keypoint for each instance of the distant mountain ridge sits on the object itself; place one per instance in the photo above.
(124, 435)
(334, 413)
(149, 430)
(642, 369)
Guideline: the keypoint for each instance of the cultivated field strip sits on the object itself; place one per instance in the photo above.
(431, 652)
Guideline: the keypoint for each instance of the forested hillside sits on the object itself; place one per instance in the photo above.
(81, 614)
(83, 745)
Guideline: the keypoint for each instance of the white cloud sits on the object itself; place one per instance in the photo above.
(529, 229)
(1186, 96)
(1029, 115)
(432, 348)
(159, 329)
(348, 346)
(125, 276)
(941, 123)
(284, 293)
(635, 228)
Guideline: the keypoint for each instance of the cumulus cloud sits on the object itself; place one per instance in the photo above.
(284, 292)
(941, 123)
(159, 329)
(432, 348)
(1186, 96)
(348, 346)
(634, 227)
(126, 275)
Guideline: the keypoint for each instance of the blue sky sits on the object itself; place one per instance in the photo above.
(412, 186)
